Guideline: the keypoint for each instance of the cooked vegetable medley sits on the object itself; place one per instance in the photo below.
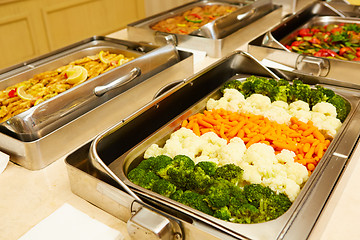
(192, 19)
(22, 96)
(339, 41)
(256, 146)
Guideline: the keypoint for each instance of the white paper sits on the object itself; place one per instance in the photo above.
(4, 160)
(71, 224)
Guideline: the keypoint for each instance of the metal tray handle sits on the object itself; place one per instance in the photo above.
(101, 90)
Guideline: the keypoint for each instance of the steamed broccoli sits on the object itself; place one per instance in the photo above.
(143, 178)
(269, 204)
(163, 187)
(155, 164)
(208, 167)
(210, 189)
(223, 213)
(199, 181)
(342, 106)
(230, 172)
(179, 170)
(218, 194)
(233, 84)
(299, 91)
(195, 200)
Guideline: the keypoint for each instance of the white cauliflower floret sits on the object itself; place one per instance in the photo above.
(325, 108)
(231, 101)
(278, 114)
(280, 104)
(329, 126)
(233, 152)
(259, 102)
(279, 172)
(302, 115)
(152, 151)
(298, 105)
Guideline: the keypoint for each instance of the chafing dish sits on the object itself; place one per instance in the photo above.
(94, 167)
(218, 37)
(271, 46)
(47, 131)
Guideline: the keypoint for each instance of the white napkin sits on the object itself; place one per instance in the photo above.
(71, 224)
(4, 160)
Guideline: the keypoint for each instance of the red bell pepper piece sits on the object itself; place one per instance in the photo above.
(344, 50)
(356, 59)
(305, 32)
(325, 53)
(334, 30)
(296, 43)
(314, 40)
(12, 93)
(196, 15)
(358, 53)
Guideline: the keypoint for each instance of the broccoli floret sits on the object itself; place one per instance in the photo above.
(233, 84)
(155, 164)
(342, 106)
(161, 165)
(255, 193)
(208, 167)
(143, 178)
(177, 195)
(199, 181)
(275, 206)
(196, 200)
(299, 91)
(246, 213)
(179, 170)
(266, 87)
(223, 213)
(218, 194)
(269, 204)
(163, 187)
(230, 172)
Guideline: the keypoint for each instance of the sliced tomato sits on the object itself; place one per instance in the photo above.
(305, 32)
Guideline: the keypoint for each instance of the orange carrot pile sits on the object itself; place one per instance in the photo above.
(308, 143)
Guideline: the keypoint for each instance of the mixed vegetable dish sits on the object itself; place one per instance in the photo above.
(247, 156)
(339, 41)
(193, 19)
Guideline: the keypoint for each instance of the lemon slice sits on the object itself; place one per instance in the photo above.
(40, 100)
(20, 91)
(76, 74)
(102, 58)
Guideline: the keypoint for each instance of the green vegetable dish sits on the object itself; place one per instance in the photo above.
(217, 191)
(243, 184)
(338, 41)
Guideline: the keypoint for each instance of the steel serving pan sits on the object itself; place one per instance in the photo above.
(271, 45)
(218, 37)
(121, 148)
(33, 137)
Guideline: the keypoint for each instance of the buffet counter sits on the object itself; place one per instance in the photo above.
(28, 197)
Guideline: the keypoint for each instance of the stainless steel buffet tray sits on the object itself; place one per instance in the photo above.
(216, 38)
(270, 46)
(54, 127)
(121, 147)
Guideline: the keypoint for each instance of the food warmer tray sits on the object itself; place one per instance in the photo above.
(93, 167)
(270, 46)
(216, 38)
(344, 8)
(51, 129)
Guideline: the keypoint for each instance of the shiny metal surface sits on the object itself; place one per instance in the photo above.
(121, 148)
(59, 126)
(271, 46)
(216, 38)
